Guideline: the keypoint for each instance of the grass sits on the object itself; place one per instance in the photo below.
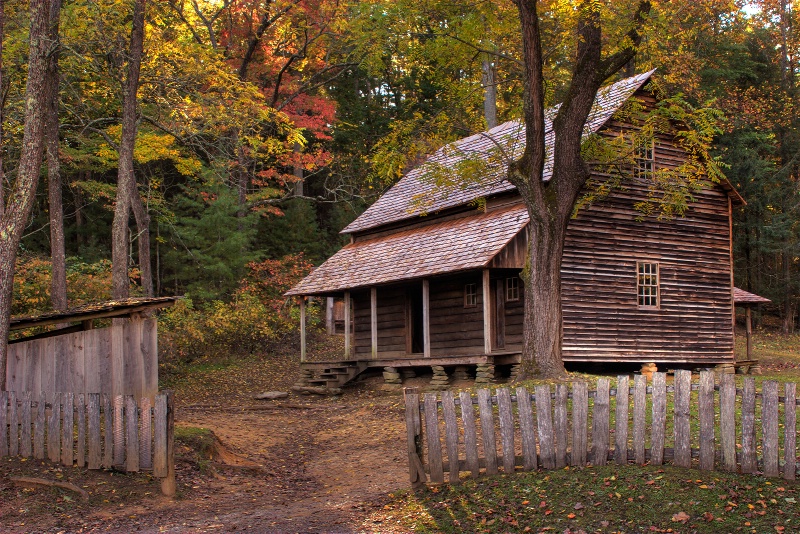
(600, 499)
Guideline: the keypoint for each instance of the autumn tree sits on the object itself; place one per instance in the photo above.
(19, 203)
(551, 202)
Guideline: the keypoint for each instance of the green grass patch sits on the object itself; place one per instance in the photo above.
(602, 499)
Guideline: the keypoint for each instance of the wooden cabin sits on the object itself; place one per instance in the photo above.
(444, 288)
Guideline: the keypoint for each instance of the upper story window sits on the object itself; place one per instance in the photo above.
(647, 285)
(512, 288)
(643, 159)
(470, 295)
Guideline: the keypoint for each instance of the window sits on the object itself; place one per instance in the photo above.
(512, 288)
(643, 159)
(647, 285)
(470, 295)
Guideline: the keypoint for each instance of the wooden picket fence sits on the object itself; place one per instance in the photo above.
(97, 431)
(551, 429)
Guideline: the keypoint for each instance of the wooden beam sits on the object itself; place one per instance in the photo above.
(426, 319)
(487, 313)
(347, 324)
(373, 317)
(302, 329)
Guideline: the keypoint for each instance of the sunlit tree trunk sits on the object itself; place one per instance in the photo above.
(126, 180)
(20, 201)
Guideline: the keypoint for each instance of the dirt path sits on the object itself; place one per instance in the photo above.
(305, 465)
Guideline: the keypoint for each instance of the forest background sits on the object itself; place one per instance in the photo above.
(264, 126)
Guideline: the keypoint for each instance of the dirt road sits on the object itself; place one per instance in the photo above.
(300, 464)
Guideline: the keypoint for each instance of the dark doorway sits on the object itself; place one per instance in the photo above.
(416, 343)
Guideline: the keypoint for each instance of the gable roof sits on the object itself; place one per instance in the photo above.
(454, 245)
(397, 204)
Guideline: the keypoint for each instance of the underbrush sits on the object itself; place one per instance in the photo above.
(257, 318)
(601, 499)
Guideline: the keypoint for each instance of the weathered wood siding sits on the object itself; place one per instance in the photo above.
(602, 319)
(391, 309)
(119, 360)
(455, 329)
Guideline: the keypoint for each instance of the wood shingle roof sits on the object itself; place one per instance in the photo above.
(454, 245)
(740, 296)
(397, 203)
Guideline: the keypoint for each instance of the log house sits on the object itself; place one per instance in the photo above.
(444, 288)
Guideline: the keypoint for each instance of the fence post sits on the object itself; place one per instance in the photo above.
(621, 421)
(727, 421)
(790, 432)
(168, 485)
(600, 422)
(414, 437)
(749, 426)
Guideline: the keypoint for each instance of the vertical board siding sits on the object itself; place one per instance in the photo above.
(120, 360)
(544, 442)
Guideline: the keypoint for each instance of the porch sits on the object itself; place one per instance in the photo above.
(334, 374)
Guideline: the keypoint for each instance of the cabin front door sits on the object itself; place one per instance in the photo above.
(499, 315)
(414, 321)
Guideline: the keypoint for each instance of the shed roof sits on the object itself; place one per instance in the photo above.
(98, 310)
(468, 242)
(740, 296)
(397, 203)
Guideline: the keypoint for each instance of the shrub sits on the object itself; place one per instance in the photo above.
(257, 316)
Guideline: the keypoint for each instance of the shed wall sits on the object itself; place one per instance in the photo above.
(119, 360)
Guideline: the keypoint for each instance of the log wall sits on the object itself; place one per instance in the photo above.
(602, 319)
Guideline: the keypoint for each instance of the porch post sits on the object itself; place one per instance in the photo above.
(329, 316)
(748, 325)
(347, 324)
(487, 314)
(426, 319)
(373, 308)
(302, 328)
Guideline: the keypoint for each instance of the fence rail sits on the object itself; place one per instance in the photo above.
(97, 431)
(552, 428)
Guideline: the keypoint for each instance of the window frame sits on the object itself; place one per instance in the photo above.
(644, 159)
(512, 290)
(471, 295)
(641, 297)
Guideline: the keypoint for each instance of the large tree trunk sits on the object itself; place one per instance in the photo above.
(550, 203)
(20, 202)
(126, 181)
(542, 334)
(2, 173)
(58, 283)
